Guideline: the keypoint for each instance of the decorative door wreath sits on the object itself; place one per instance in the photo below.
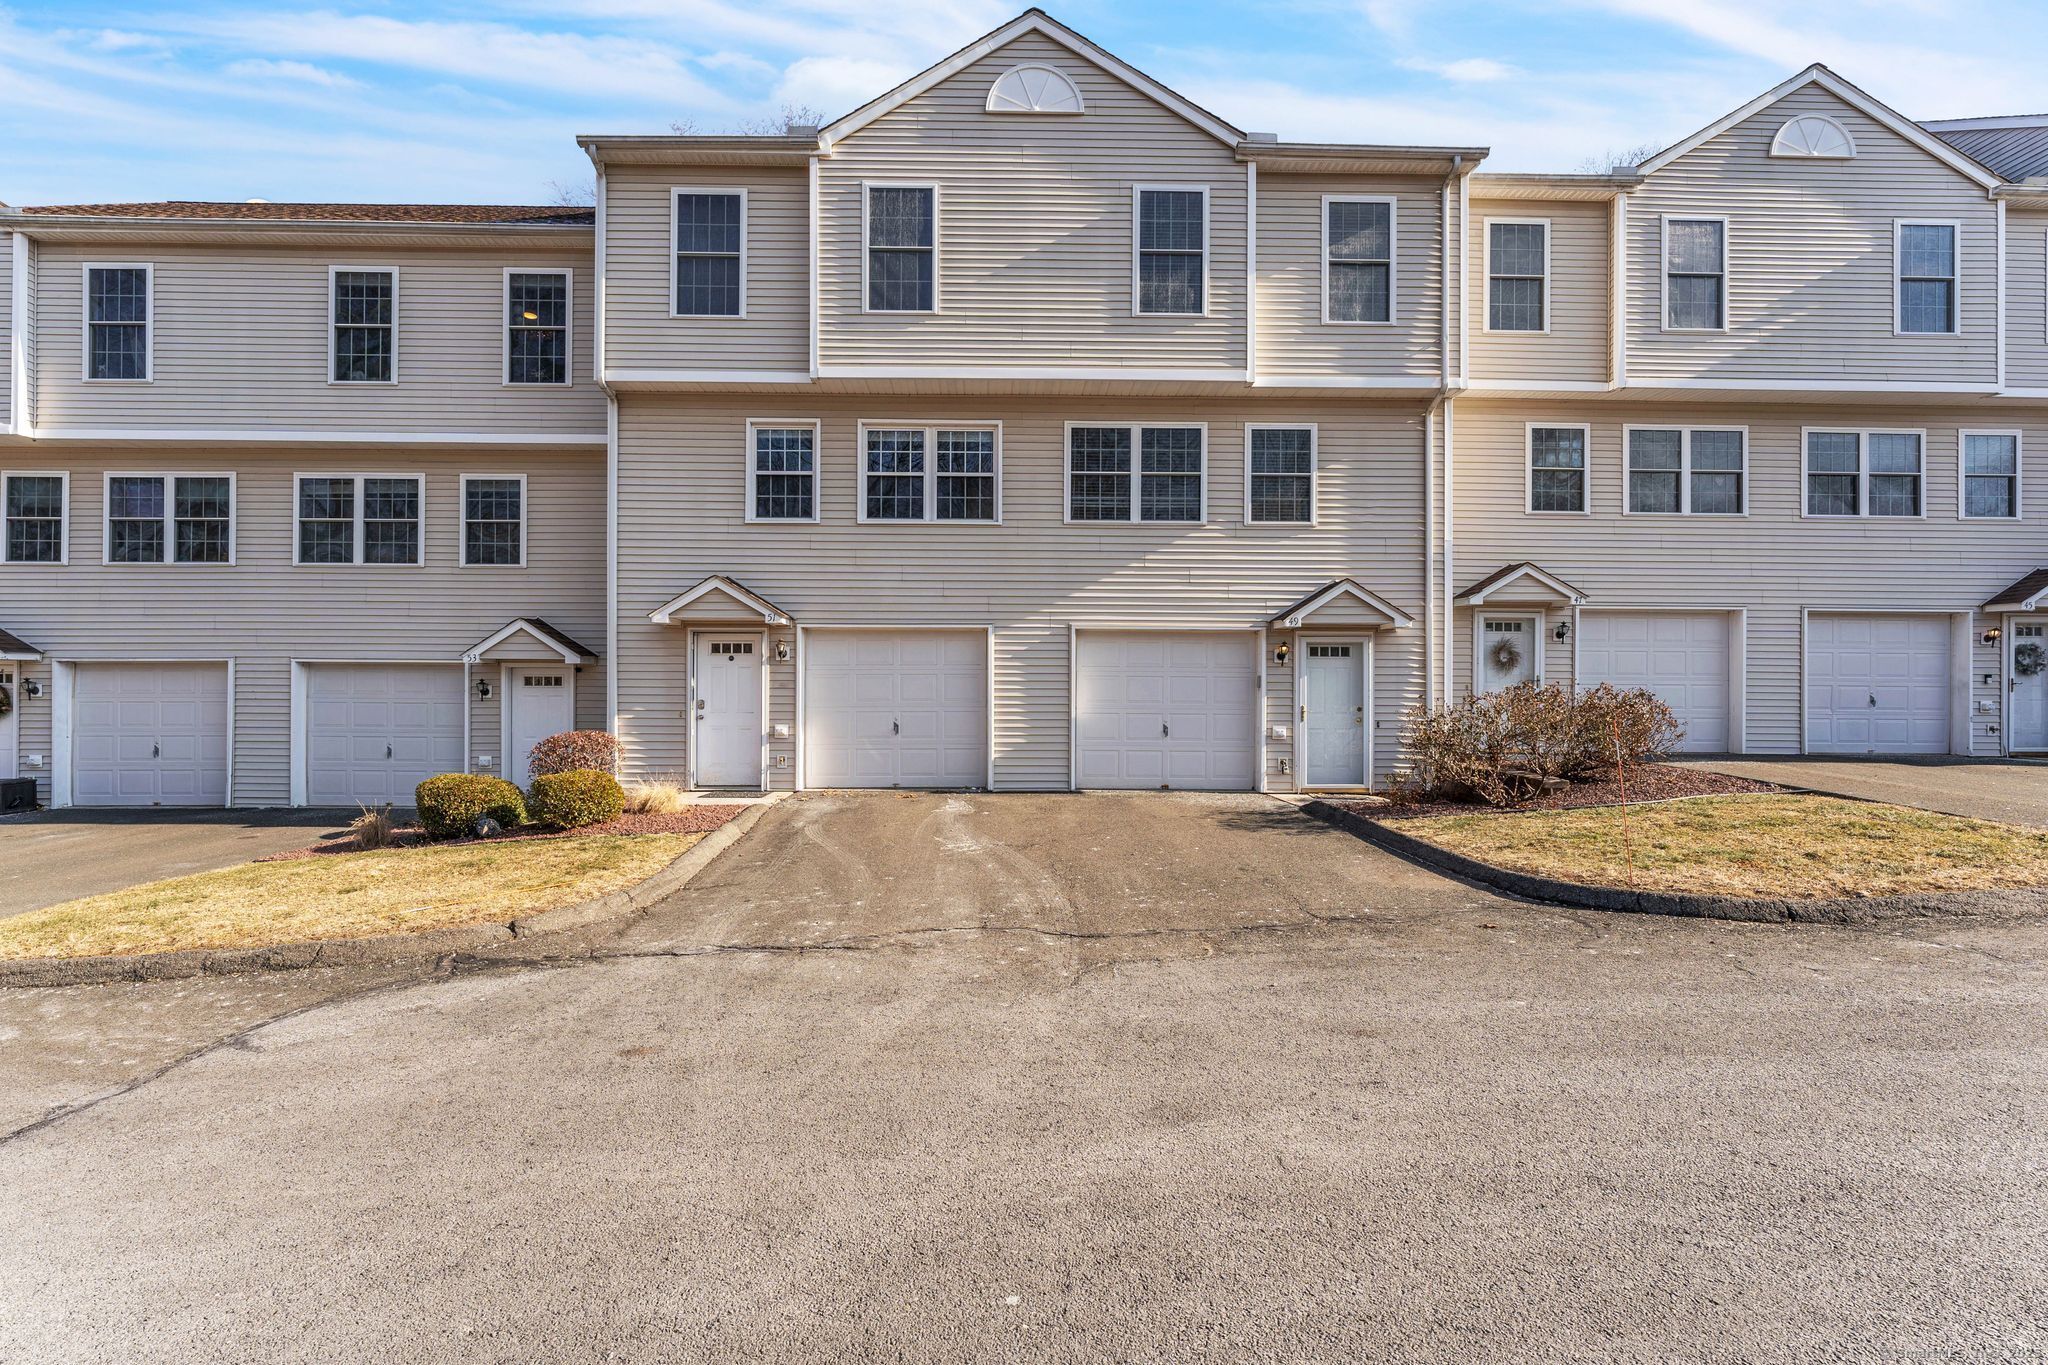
(6, 699)
(1506, 655)
(2027, 660)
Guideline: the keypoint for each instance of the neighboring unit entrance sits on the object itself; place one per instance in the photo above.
(376, 731)
(1877, 684)
(727, 734)
(1332, 713)
(1508, 648)
(153, 734)
(1683, 657)
(10, 753)
(895, 708)
(2026, 712)
(1166, 709)
(539, 702)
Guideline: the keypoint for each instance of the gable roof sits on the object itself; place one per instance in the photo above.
(1514, 573)
(770, 613)
(1030, 21)
(2025, 595)
(1857, 99)
(538, 630)
(1298, 611)
(14, 647)
(2017, 148)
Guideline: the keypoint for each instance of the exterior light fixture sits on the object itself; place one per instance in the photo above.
(1280, 654)
(782, 651)
(483, 688)
(1563, 631)
(31, 688)
(1993, 636)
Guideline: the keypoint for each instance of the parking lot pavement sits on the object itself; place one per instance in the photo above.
(2016, 793)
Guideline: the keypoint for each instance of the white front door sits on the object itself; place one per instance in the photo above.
(1333, 713)
(1877, 684)
(895, 708)
(2026, 711)
(152, 734)
(1166, 709)
(1507, 651)
(728, 724)
(10, 756)
(539, 702)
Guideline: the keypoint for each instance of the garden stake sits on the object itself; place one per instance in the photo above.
(1628, 858)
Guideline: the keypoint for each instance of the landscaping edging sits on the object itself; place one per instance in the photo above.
(383, 949)
(2005, 903)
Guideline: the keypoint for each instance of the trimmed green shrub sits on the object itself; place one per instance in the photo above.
(574, 799)
(573, 750)
(451, 804)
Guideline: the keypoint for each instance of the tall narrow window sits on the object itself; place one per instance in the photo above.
(1358, 236)
(117, 308)
(1865, 474)
(902, 250)
(1895, 482)
(1172, 242)
(782, 473)
(1695, 274)
(1834, 474)
(894, 486)
(1518, 275)
(354, 519)
(493, 521)
(537, 327)
(711, 253)
(1991, 474)
(1099, 474)
(966, 478)
(365, 314)
(1557, 469)
(35, 517)
(1280, 471)
(928, 474)
(1163, 484)
(1694, 471)
(1927, 277)
(178, 519)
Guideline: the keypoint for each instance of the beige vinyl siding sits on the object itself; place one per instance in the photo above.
(1033, 578)
(263, 611)
(1575, 348)
(2026, 299)
(1035, 228)
(1810, 258)
(240, 341)
(639, 273)
(8, 246)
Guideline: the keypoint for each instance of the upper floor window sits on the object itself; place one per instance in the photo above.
(117, 321)
(35, 505)
(170, 519)
(493, 520)
(1358, 260)
(1557, 469)
(364, 312)
(358, 519)
(1695, 471)
(1813, 136)
(782, 471)
(1518, 275)
(902, 248)
(711, 253)
(1695, 274)
(1864, 474)
(1172, 240)
(536, 326)
(1035, 88)
(1280, 475)
(1991, 474)
(1926, 255)
(1163, 483)
(929, 474)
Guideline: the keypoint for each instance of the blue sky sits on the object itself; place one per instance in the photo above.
(367, 100)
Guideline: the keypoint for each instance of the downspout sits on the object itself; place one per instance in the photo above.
(1439, 638)
(611, 472)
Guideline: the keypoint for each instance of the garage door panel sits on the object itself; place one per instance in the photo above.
(1156, 709)
(1682, 657)
(895, 708)
(149, 734)
(1877, 684)
(374, 732)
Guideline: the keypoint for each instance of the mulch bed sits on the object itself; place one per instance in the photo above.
(696, 819)
(1656, 782)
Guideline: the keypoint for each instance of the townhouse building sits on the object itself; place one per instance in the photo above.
(1030, 427)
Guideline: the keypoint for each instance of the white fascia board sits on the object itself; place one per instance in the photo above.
(275, 437)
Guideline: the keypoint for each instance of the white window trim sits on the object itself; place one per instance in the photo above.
(568, 327)
(675, 193)
(148, 320)
(2019, 464)
(1685, 432)
(1835, 123)
(1138, 193)
(1393, 257)
(169, 518)
(1955, 227)
(931, 471)
(816, 428)
(366, 269)
(1664, 271)
(63, 523)
(1529, 430)
(1136, 472)
(1862, 435)
(357, 561)
(462, 519)
(866, 251)
(1486, 298)
(1315, 463)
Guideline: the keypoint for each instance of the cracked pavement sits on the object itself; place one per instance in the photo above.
(1022, 1077)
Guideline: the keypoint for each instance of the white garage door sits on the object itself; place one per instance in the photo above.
(886, 708)
(1680, 656)
(1158, 709)
(1877, 684)
(376, 731)
(149, 735)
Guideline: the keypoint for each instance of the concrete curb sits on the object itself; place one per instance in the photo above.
(2006, 904)
(384, 950)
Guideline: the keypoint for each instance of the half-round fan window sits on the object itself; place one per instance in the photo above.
(1813, 135)
(1034, 90)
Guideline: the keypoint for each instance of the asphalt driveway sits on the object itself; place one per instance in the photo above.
(59, 855)
(2016, 793)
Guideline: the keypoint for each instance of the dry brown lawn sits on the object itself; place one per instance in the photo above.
(348, 895)
(1758, 845)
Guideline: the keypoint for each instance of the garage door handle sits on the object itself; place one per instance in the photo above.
(1163, 730)
(156, 751)
(387, 751)
(1873, 699)
(895, 727)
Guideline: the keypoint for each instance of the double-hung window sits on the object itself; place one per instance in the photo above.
(1280, 475)
(170, 519)
(1695, 471)
(117, 322)
(1990, 475)
(902, 248)
(493, 520)
(1865, 474)
(1136, 474)
(35, 505)
(1171, 237)
(1517, 274)
(711, 253)
(1358, 259)
(364, 313)
(1695, 274)
(930, 473)
(1926, 289)
(1557, 469)
(536, 327)
(358, 518)
(782, 471)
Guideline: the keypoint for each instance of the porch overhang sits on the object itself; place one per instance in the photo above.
(13, 647)
(1522, 583)
(716, 599)
(1331, 598)
(2026, 595)
(534, 633)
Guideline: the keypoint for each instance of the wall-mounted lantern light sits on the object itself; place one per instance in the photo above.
(1993, 636)
(782, 651)
(1280, 654)
(1563, 631)
(483, 688)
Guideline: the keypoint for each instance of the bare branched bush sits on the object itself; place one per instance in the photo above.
(1507, 747)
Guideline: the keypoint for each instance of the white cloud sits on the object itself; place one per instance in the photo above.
(839, 85)
(1466, 70)
(290, 73)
